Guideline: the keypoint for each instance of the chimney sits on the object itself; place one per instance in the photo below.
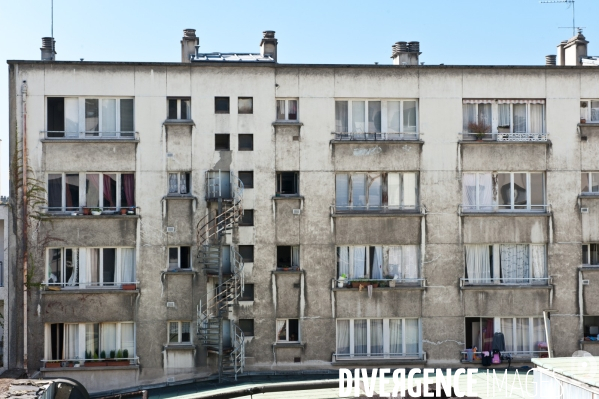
(550, 60)
(575, 49)
(560, 61)
(405, 53)
(188, 44)
(48, 49)
(268, 45)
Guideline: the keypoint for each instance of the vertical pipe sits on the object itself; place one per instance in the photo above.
(24, 220)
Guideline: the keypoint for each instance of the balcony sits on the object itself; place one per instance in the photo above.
(91, 135)
(481, 138)
(87, 364)
(506, 283)
(90, 211)
(386, 283)
(498, 210)
(347, 136)
(337, 210)
(78, 287)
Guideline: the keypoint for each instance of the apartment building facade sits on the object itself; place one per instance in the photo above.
(374, 215)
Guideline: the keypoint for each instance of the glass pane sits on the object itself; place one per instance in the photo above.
(585, 254)
(412, 340)
(93, 260)
(522, 340)
(584, 182)
(173, 332)
(594, 254)
(393, 191)
(92, 190)
(341, 191)
(184, 183)
(292, 104)
(173, 258)
(71, 271)
(358, 187)
(504, 116)
(484, 116)
(595, 111)
(537, 196)
(520, 190)
(393, 117)
(108, 338)
(374, 192)
(173, 183)
(108, 115)
(341, 116)
(595, 182)
(409, 116)
(468, 116)
(395, 337)
(537, 118)
(91, 115)
(92, 340)
(109, 266)
(519, 118)
(376, 336)
(505, 190)
(409, 190)
(282, 330)
(54, 266)
(280, 110)
(374, 116)
(172, 109)
(71, 114)
(128, 338)
(109, 188)
(358, 117)
(127, 115)
(72, 190)
(507, 328)
(360, 337)
(55, 191)
(343, 337)
(246, 105)
(185, 331)
(185, 109)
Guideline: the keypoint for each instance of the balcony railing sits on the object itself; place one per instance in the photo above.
(76, 362)
(519, 137)
(375, 208)
(58, 135)
(379, 283)
(468, 356)
(502, 281)
(495, 208)
(347, 136)
(366, 356)
(85, 210)
(123, 285)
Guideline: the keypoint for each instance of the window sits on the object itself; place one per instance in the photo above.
(105, 117)
(221, 142)
(221, 105)
(179, 183)
(287, 109)
(179, 108)
(367, 117)
(247, 252)
(287, 183)
(179, 332)
(288, 257)
(246, 142)
(506, 264)
(378, 338)
(503, 116)
(86, 341)
(109, 191)
(288, 330)
(590, 254)
(245, 105)
(179, 258)
(590, 326)
(218, 184)
(400, 263)
(362, 192)
(247, 326)
(523, 335)
(589, 111)
(503, 191)
(247, 219)
(589, 181)
(247, 178)
(90, 267)
(248, 293)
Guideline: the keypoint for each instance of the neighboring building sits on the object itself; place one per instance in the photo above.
(292, 180)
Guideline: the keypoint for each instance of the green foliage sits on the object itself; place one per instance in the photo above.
(119, 354)
(112, 354)
(126, 353)
(103, 354)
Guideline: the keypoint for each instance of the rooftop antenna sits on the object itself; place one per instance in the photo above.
(573, 14)
(52, 18)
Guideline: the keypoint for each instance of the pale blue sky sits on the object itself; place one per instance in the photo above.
(471, 32)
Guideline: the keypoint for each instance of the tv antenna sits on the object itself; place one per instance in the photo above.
(52, 18)
(569, 2)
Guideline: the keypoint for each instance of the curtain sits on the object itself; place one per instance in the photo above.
(374, 116)
(393, 117)
(393, 191)
(522, 342)
(538, 332)
(343, 337)
(358, 190)
(109, 196)
(358, 117)
(281, 330)
(504, 115)
(488, 332)
(359, 262)
(129, 186)
(341, 191)
(72, 341)
(92, 339)
(108, 116)
(478, 264)
(395, 262)
(469, 115)
(409, 261)
(374, 191)
(183, 183)
(409, 116)
(91, 114)
(519, 118)
(173, 183)
(360, 337)
(507, 328)
(93, 266)
(292, 109)
(343, 261)
(127, 265)
(395, 337)
(412, 337)
(514, 263)
(71, 116)
(341, 114)
(295, 256)
(108, 337)
(92, 190)
(71, 188)
(128, 338)
(377, 264)
(485, 191)
(469, 190)
(55, 191)
(537, 118)
(73, 280)
(484, 115)
(409, 190)
(537, 262)
(376, 336)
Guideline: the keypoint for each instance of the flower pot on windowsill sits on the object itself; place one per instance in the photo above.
(95, 364)
(583, 120)
(392, 284)
(96, 213)
(123, 211)
(129, 287)
(53, 365)
(131, 211)
(114, 363)
(87, 211)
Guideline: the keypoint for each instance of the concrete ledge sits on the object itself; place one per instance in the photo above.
(287, 271)
(298, 345)
(179, 197)
(178, 122)
(589, 268)
(495, 287)
(506, 214)
(419, 142)
(73, 140)
(288, 197)
(396, 288)
(90, 291)
(378, 362)
(477, 142)
(63, 369)
(90, 217)
(190, 272)
(287, 123)
(589, 196)
(182, 347)
(378, 214)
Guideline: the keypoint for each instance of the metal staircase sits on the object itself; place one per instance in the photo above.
(220, 335)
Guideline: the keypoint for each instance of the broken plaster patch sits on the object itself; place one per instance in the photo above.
(424, 341)
(364, 152)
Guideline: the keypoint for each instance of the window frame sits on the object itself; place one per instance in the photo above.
(180, 103)
(286, 107)
(589, 182)
(586, 112)
(279, 185)
(222, 147)
(239, 106)
(245, 289)
(588, 262)
(180, 333)
(178, 247)
(245, 334)
(249, 173)
(221, 98)
(241, 221)
(180, 177)
(286, 340)
(246, 135)
(494, 125)
(368, 263)
(384, 115)
(291, 266)
(239, 247)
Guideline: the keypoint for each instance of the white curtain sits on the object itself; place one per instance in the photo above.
(295, 256)
(409, 190)
(343, 261)
(409, 261)
(507, 328)
(393, 191)
(537, 118)
(485, 191)
(469, 115)
(359, 262)
(183, 183)
(343, 336)
(374, 191)
(358, 117)
(484, 115)
(409, 116)
(395, 334)
(537, 262)
(519, 118)
(376, 336)
(341, 116)
(92, 339)
(128, 265)
(469, 190)
(173, 182)
(393, 117)
(411, 336)
(281, 334)
(514, 263)
(504, 115)
(74, 279)
(108, 115)
(478, 264)
(108, 337)
(522, 342)
(72, 341)
(128, 338)
(71, 116)
(374, 116)
(358, 191)
(93, 264)
(395, 261)
(538, 332)
(342, 191)
(360, 337)
(377, 264)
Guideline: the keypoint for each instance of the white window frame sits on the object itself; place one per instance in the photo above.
(179, 100)
(179, 332)
(287, 331)
(385, 249)
(286, 111)
(495, 113)
(497, 328)
(384, 121)
(180, 176)
(178, 247)
(588, 261)
(383, 205)
(589, 179)
(386, 338)
(586, 113)
(512, 208)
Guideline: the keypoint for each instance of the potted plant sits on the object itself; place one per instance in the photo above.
(52, 365)
(123, 211)
(131, 211)
(119, 360)
(87, 211)
(126, 354)
(341, 281)
(96, 211)
(479, 129)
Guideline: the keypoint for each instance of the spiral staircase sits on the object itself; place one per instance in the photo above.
(221, 336)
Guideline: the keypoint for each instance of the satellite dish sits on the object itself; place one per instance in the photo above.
(581, 354)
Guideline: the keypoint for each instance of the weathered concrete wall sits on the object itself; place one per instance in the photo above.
(505, 229)
(66, 307)
(376, 157)
(89, 157)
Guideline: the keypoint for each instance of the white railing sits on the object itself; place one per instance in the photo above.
(85, 210)
(62, 135)
(238, 353)
(366, 356)
(82, 362)
(387, 283)
(465, 281)
(374, 208)
(534, 137)
(512, 354)
(91, 285)
(360, 136)
(490, 208)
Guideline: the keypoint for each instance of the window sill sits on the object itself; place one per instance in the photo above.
(180, 271)
(245, 302)
(64, 215)
(589, 195)
(287, 197)
(179, 197)
(379, 214)
(406, 287)
(179, 122)
(69, 291)
(589, 268)
(583, 342)
(526, 213)
(406, 141)
(61, 140)
(345, 361)
(300, 271)
(287, 123)
(90, 368)
(503, 142)
(179, 347)
(495, 287)
(278, 345)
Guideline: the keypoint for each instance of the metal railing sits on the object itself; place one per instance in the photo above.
(1, 274)
(513, 354)
(216, 186)
(237, 356)
(545, 281)
(366, 356)
(541, 137)
(64, 362)
(390, 283)
(491, 208)
(62, 135)
(91, 285)
(375, 208)
(81, 210)
(359, 136)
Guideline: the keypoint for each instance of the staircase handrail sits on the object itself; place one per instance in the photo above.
(238, 353)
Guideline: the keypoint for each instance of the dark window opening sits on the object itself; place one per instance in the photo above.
(247, 178)
(127, 115)
(185, 258)
(57, 339)
(591, 326)
(248, 292)
(287, 183)
(221, 142)
(287, 257)
(293, 330)
(247, 219)
(172, 109)
(109, 266)
(55, 191)
(246, 142)
(247, 252)
(55, 117)
(72, 190)
(127, 190)
(247, 326)
(245, 105)
(221, 105)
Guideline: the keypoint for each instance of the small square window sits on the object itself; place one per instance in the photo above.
(247, 252)
(179, 183)
(247, 178)
(287, 183)
(179, 258)
(221, 105)
(287, 110)
(222, 142)
(287, 330)
(248, 292)
(179, 332)
(179, 108)
(247, 326)
(247, 219)
(288, 257)
(246, 105)
(246, 142)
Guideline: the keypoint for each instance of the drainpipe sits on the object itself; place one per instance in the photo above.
(24, 244)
